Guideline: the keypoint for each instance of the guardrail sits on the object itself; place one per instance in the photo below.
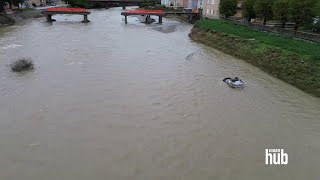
(287, 32)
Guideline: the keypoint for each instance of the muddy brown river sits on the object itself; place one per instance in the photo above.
(144, 102)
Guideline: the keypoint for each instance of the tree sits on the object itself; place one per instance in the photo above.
(228, 7)
(316, 9)
(17, 3)
(281, 11)
(263, 9)
(301, 12)
(2, 4)
(145, 3)
(79, 3)
(10, 3)
(248, 10)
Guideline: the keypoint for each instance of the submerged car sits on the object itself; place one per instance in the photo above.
(234, 83)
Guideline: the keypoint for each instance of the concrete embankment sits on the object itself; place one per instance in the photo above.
(293, 61)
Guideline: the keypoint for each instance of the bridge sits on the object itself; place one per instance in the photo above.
(134, 12)
(159, 13)
(52, 11)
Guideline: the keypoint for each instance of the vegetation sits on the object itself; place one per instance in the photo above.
(22, 64)
(145, 3)
(248, 10)
(149, 4)
(16, 2)
(316, 9)
(281, 11)
(301, 12)
(79, 3)
(2, 4)
(10, 2)
(98, 5)
(294, 61)
(263, 9)
(19, 16)
(163, 7)
(228, 7)
(6, 20)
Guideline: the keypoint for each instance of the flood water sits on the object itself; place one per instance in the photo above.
(113, 101)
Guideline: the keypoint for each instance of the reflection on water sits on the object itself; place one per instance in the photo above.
(115, 101)
(166, 29)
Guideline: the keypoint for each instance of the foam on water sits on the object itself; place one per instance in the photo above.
(11, 46)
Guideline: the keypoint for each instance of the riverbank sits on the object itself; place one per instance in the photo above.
(294, 61)
(111, 95)
(19, 16)
(5, 20)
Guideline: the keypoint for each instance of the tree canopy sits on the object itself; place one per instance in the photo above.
(2, 4)
(263, 10)
(302, 12)
(79, 3)
(248, 10)
(316, 9)
(281, 11)
(17, 2)
(228, 7)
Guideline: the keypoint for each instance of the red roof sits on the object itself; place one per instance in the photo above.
(67, 9)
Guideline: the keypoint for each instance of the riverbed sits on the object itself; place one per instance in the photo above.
(109, 100)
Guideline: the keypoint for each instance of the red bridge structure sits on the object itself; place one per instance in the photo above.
(142, 12)
(52, 11)
(159, 13)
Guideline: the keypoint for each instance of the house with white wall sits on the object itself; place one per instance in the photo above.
(210, 8)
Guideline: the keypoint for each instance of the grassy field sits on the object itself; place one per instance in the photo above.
(294, 61)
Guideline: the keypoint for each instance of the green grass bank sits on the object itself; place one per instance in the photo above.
(296, 62)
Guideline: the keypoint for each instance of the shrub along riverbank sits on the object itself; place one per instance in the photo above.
(6, 21)
(294, 61)
(19, 16)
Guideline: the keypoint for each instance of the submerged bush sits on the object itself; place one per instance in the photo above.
(79, 3)
(5, 20)
(98, 5)
(22, 64)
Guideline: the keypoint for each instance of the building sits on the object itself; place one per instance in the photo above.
(183, 4)
(165, 3)
(239, 15)
(175, 3)
(211, 9)
(7, 7)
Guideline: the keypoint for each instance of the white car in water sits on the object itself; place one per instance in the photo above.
(146, 19)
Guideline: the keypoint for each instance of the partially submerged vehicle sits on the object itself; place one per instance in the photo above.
(234, 83)
(146, 19)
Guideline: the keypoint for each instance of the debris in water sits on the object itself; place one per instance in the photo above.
(22, 64)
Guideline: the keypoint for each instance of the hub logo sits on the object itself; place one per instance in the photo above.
(276, 156)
